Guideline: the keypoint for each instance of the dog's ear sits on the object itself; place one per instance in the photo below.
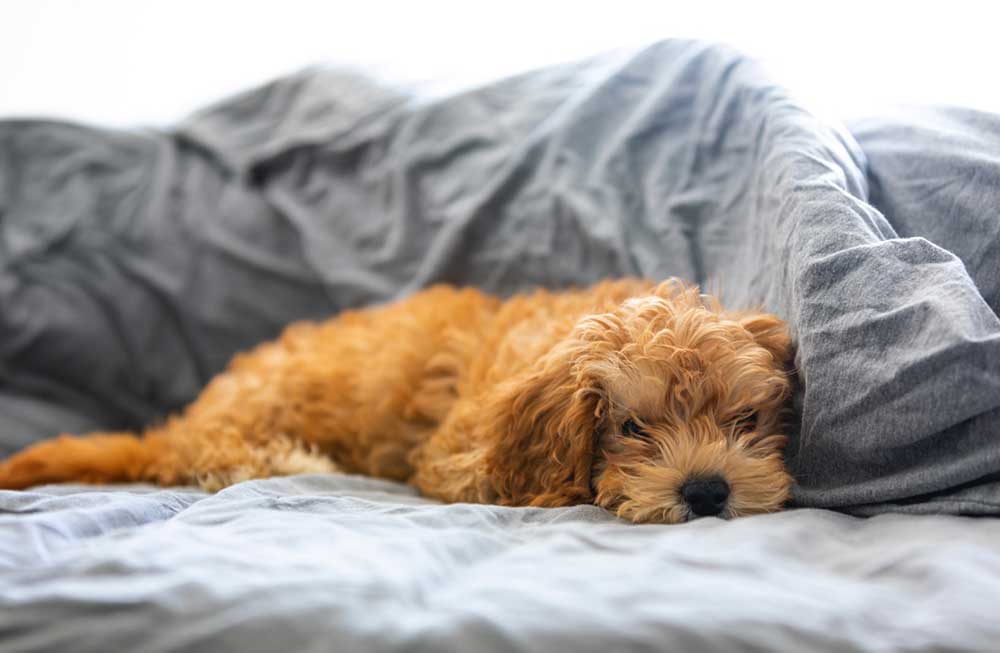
(542, 425)
(771, 333)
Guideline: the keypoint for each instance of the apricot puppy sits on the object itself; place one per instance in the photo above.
(649, 400)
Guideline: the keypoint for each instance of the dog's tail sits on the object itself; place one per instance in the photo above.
(94, 458)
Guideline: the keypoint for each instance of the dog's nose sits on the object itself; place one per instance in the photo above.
(705, 497)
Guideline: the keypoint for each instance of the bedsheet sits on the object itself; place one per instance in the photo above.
(326, 563)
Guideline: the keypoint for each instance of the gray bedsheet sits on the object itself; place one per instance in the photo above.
(351, 564)
(133, 264)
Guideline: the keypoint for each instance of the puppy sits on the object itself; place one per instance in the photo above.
(648, 400)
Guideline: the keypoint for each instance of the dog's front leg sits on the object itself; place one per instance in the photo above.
(451, 464)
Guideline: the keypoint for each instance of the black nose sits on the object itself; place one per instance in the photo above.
(706, 496)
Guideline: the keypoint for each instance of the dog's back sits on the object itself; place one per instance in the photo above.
(359, 392)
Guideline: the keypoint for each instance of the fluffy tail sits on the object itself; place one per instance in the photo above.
(95, 458)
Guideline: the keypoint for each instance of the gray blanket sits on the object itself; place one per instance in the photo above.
(133, 265)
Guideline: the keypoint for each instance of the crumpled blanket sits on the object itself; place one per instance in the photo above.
(134, 264)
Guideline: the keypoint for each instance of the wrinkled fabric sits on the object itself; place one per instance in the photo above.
(321, 563)
(135, 264)
(935, 172)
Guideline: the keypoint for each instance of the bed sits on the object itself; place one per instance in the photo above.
(133, 264)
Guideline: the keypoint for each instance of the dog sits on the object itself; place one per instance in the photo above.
(649, 400)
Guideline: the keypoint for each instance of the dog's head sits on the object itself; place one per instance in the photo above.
(665, 409)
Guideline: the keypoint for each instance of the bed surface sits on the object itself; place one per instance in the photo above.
(134, 264)
(315, 563)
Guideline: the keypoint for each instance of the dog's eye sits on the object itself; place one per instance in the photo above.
(632, 430)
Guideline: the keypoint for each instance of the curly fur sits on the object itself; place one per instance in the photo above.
(470, 398)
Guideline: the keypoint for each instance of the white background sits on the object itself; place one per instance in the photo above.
(151, 62)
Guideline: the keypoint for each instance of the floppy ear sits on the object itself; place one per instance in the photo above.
(771, 333)
(542, 428)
